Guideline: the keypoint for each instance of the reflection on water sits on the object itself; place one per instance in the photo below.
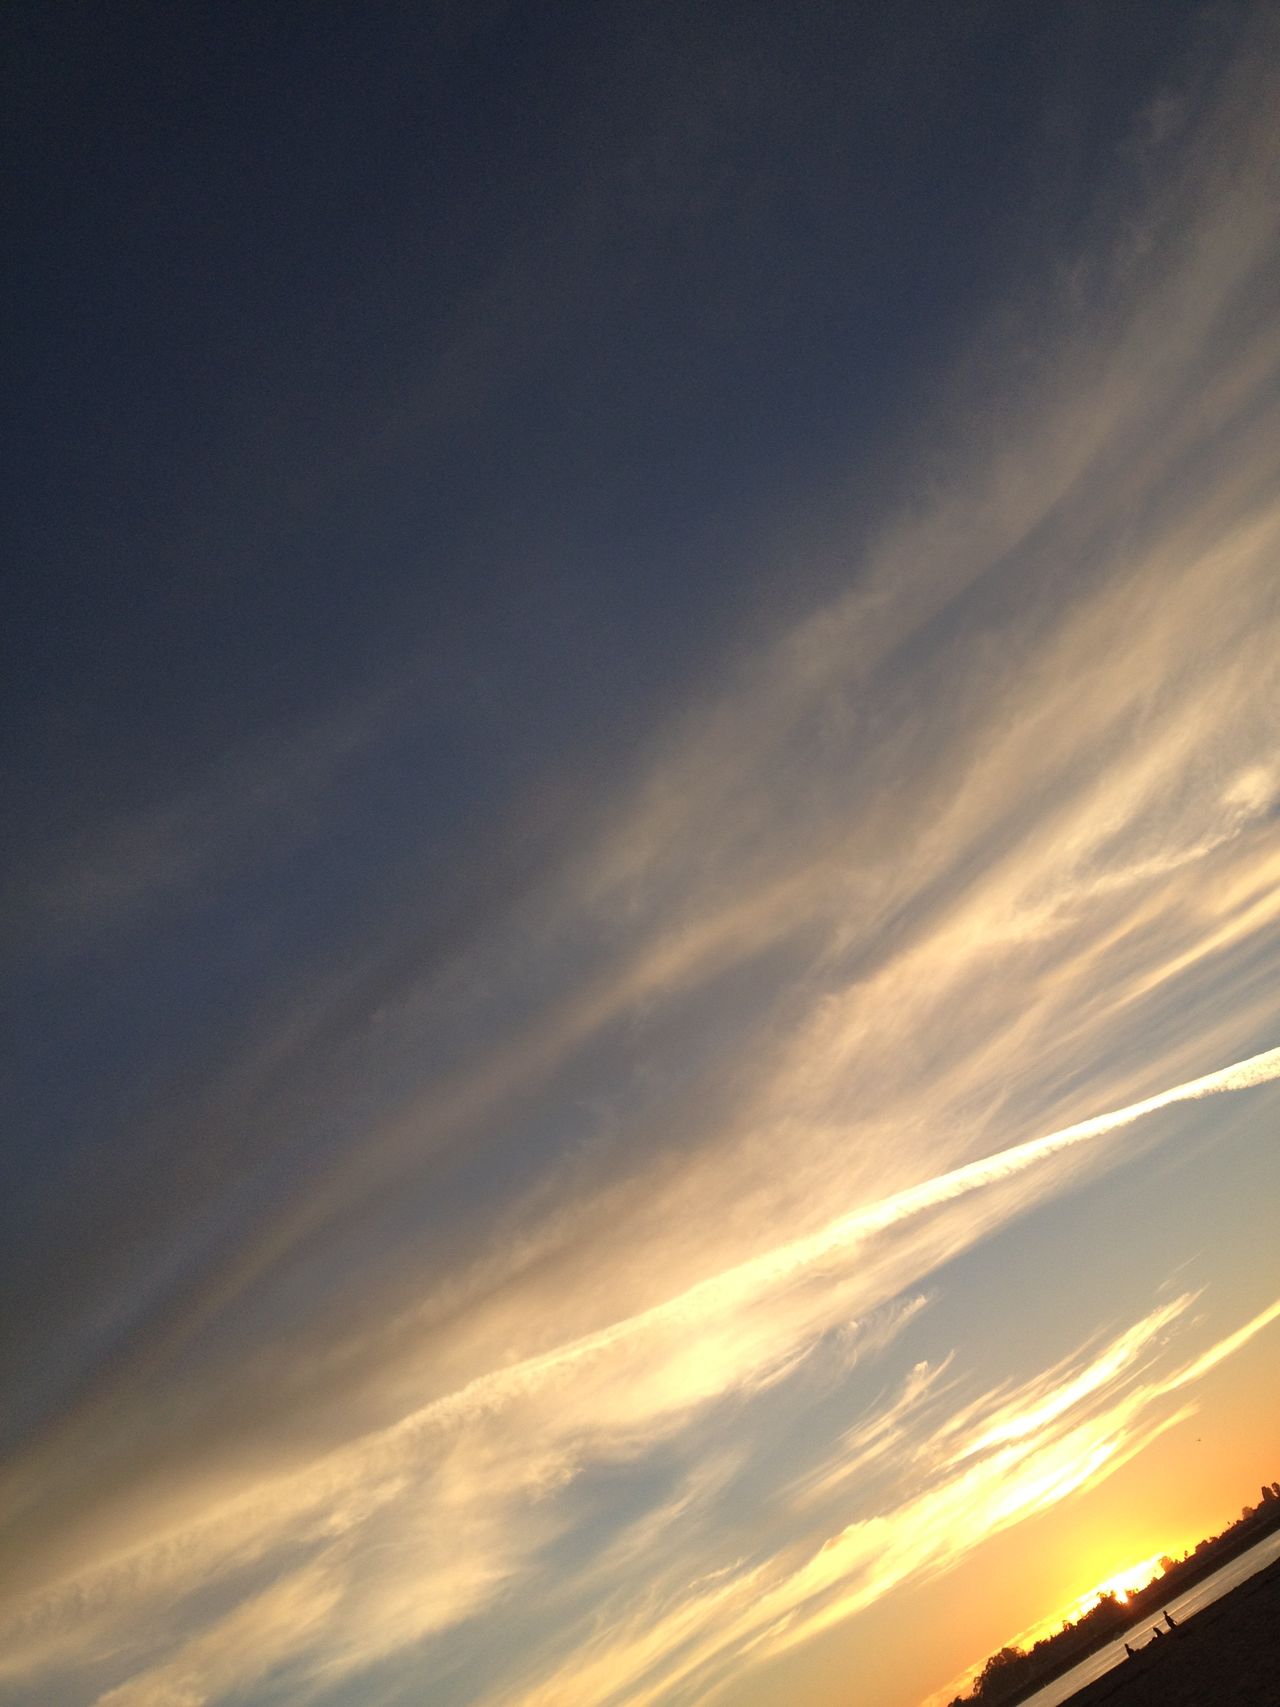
(1183, 1606)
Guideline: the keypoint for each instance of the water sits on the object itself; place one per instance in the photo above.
(1184, 1605)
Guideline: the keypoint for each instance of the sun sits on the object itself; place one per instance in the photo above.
(1119, 1583)
(1133, 1576)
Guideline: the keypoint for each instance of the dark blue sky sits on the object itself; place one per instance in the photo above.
(478, 349)
(382, 336)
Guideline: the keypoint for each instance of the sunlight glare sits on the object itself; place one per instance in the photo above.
(1120, 1583)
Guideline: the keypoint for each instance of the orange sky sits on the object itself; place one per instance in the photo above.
(1189, 1484)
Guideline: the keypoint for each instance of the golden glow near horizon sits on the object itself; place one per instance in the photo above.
(1121, 1583)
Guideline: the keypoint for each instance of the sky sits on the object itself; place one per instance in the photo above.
(641, 872)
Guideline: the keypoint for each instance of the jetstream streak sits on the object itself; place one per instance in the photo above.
(737, 1286)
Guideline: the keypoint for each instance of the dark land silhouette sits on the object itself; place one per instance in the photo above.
(1011, 1675)
(1227, 1655)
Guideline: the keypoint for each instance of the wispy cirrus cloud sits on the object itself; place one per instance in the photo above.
(1018, 1454)
(496, 1464)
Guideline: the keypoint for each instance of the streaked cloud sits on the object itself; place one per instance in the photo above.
(417, 1528)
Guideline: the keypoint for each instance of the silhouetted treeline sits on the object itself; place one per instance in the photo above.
(1012, 1674)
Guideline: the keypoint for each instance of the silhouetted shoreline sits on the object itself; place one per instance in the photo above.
(1227, 1654)
(1012, 1677)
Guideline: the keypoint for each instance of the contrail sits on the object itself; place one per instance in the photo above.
(738, 1285)
(1256, 1070)
(736, 1288)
